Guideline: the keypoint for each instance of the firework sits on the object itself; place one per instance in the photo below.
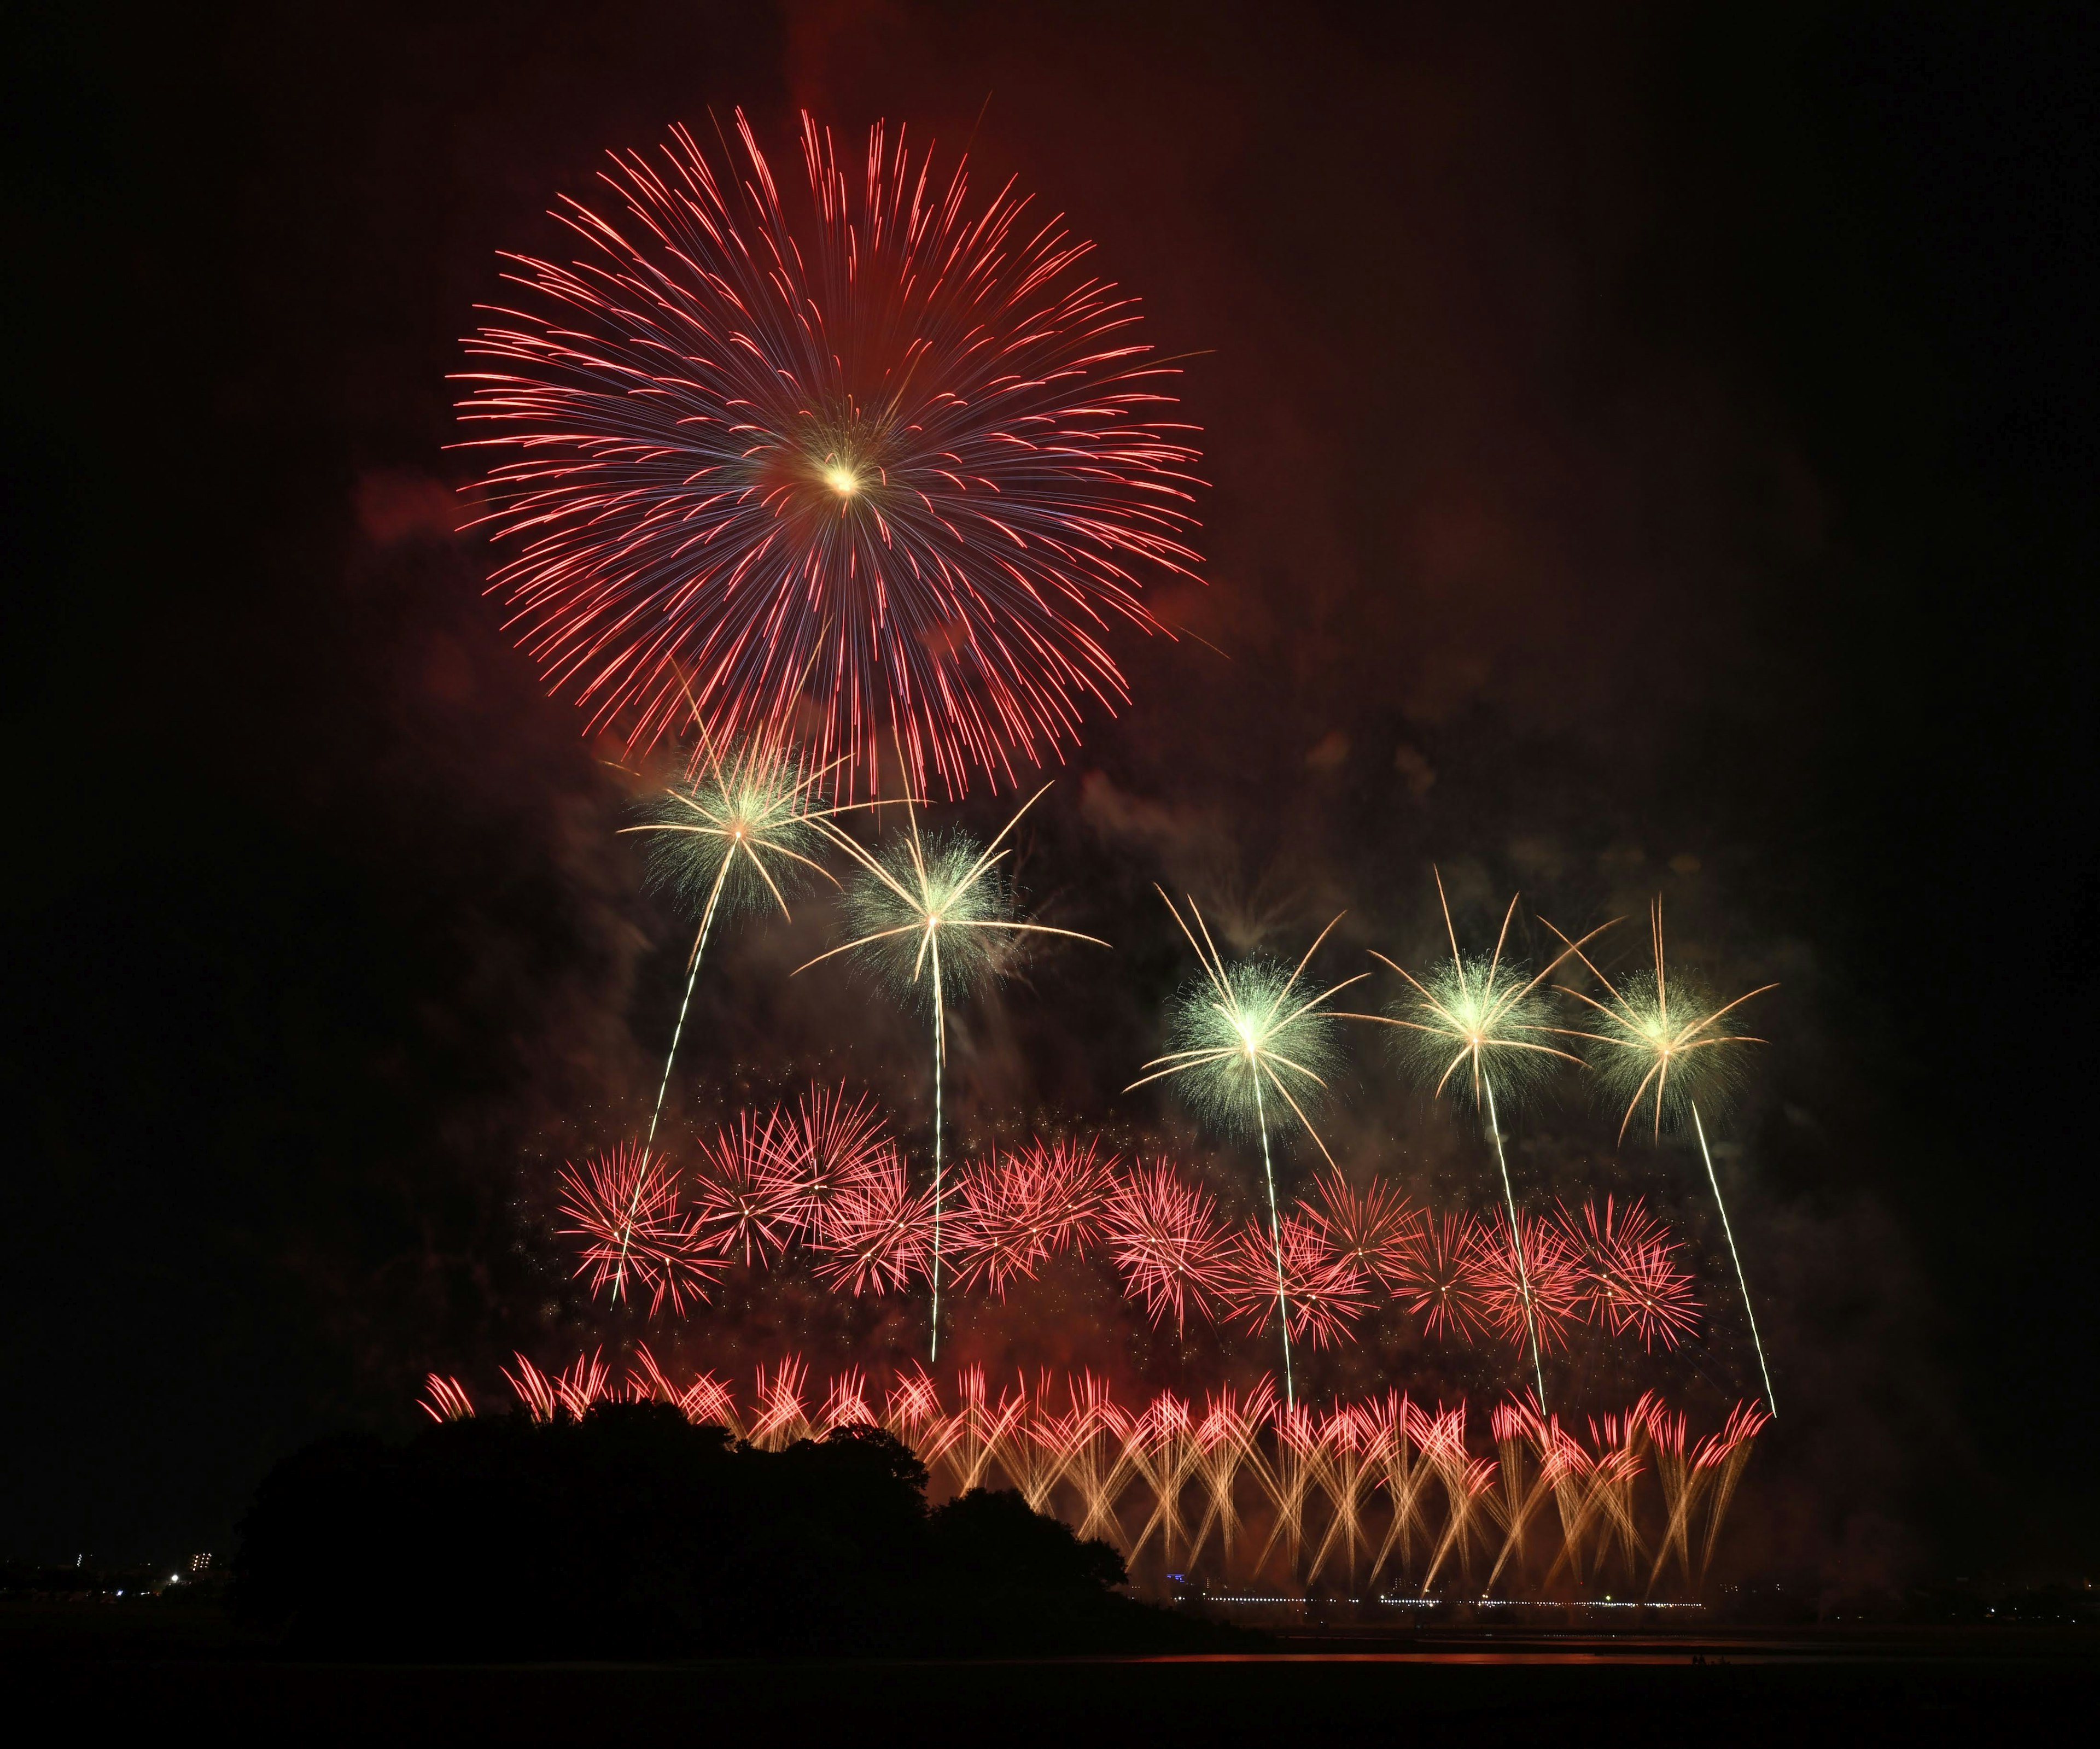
(1237, 1029)
(1630, 1280)
(1371, 1229)
(1663, 1046)
(748, 1192)
(824, 1146)
(1322, 1291)
(1532, 1288)
(1013, 1212)
(933, 915)
(1141, 1474)
(1441, 1274)
(1163, 1236)
(1485, 1016)
(884, 456)
(624, 1206)
(445, 1399)
(876, 1239)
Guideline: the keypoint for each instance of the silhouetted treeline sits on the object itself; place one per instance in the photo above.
(632, 1533)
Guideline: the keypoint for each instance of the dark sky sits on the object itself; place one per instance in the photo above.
(1650, 454)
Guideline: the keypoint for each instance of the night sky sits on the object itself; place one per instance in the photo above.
(1648, 455)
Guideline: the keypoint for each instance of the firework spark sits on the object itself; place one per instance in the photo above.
(884, 455)
(746, 1195)
(1372, 1230)
(1665, 1046)
(1163, 1236)
(933, 915)
(1322, 1292)
(1533, 1288)
(824, 1145)
(1237, 1029)
(1483, 1015)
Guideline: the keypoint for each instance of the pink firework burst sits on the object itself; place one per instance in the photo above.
(746, 1193)
(624, 1205)
(868, 456)
(1323, 1290)
(1163, 1235)
(825, 1145)
(1373, 1229)
(1630, 1279)
(878, 1235)
(1551, 1268)
(1013, 1210)
(1442, 1275)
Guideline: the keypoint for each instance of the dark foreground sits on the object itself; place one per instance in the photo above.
(104, 1668)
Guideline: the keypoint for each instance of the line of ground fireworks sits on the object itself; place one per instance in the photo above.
(1249, 1487)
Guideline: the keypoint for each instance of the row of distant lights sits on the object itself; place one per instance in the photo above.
(1485, 1603)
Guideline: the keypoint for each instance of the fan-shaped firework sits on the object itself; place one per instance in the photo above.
(1485, 1016)
(1667, 1048)
(624, 1206)
(1240, 1028)
(933, 915)
(1163, 1236)
(878, 455)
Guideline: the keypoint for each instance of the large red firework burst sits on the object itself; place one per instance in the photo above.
(1372, 1230)
(1012, 1212)
(872, 459)
(877, 1236)
(624, 1205)
(1164, 1236)
(1322, 1288)
(1631, 1279)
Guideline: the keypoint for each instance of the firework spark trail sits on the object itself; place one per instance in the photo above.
(899, 908)
(1319, 1490)
(1463, 1017)
(1664, 1059)
(446, 1400)
(882, 455)
(1239, 1027)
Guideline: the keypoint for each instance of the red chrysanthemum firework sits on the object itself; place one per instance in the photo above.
(822, 1146)
(1163, 1235)
(1322, 1289)
(1372, 1230)
(1442, 1275)
(746, 1193)
(871, 460)
(1551, 1270)
(1629, 1277)
(879, 1235)
(1013, 1210)
(624, 1206)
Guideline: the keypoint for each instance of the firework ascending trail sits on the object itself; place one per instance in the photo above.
(1484, 1016)
(1662, 1047)
(1240, 1027)
(932, 913)
(874, 452)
